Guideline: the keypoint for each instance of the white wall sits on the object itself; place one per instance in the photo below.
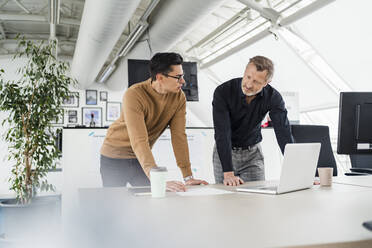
(203, 108)
(341, 33)
(115, 87)
(10, 66)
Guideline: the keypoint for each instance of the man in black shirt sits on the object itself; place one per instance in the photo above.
(239, 106)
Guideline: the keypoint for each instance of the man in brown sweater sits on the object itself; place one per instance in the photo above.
(148, 108)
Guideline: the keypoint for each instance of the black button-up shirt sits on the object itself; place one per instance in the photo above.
(238, 124)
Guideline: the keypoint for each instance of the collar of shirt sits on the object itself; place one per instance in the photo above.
(242, 95)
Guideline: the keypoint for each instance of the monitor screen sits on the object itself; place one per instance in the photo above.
(138, 71)
(355, 123)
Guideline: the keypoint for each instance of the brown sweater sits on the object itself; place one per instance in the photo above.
(145, 115)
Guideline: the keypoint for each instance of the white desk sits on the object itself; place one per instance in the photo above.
(80, 158)
(363, 181)
(309, 217)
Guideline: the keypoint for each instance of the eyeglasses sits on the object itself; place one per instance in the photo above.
(176, 77)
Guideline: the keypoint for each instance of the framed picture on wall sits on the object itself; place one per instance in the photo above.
(92, 117)
(103, 96)
(72, 101)
(91, 97)
(72, 116)
(113, 111)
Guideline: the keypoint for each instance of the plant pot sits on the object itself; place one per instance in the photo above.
(39, 219)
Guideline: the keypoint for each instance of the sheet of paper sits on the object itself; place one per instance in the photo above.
(203, 191)
(364, 181)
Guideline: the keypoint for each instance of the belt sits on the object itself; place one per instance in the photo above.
(237, 148)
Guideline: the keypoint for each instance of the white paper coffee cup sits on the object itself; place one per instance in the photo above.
(325, 176)
(158, 176)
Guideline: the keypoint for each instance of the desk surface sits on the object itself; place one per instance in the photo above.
(363, 181)
(309, 217)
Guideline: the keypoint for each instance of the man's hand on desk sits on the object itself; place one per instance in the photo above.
(176, 186)
(231, 180)
(193, 181)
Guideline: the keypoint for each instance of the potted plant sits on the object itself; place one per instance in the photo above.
(32, 103)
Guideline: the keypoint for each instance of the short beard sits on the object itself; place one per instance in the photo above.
(250, 94)
(253, 94)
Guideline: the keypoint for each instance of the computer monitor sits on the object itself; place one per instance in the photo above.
(138, 71)
(355, 123)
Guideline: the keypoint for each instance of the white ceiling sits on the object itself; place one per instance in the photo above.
(218, 30)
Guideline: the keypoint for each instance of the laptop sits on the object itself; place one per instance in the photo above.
(298, 170)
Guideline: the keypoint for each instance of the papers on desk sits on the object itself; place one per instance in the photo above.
(363, 181)
(200, 191)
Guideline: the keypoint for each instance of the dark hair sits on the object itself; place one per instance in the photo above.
(162, 62)
(262, 63)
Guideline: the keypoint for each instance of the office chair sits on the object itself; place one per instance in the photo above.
(361, 164)
(316, 133)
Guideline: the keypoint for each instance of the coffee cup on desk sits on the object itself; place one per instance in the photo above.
(158, 176)
(325, 176)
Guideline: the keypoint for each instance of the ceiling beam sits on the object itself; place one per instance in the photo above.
(305, 11)
(81, 2)
(4, 3)
(285, 21)
(11, 46)
(268, 13)
(22, 6)
(36, 18)
(10, 54)
(219, 29)
(38, 39)
(239, 47)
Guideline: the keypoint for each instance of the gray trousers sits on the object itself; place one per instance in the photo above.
(118, 172)
(248, 164)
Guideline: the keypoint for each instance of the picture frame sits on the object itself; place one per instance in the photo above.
(72, 112)
(72, 101)
(113, 110)
(72, 119)
(91, 97)
(87, 116)
(103, 96)
(72, 116)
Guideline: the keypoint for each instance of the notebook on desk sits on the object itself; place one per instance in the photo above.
(140, 191)
(298, 170)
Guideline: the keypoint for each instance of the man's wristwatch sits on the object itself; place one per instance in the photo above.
(188, 178)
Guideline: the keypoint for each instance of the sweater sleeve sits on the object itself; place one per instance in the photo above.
(134, 117)
(179, 139)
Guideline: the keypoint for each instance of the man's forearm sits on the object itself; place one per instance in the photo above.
(224, 154)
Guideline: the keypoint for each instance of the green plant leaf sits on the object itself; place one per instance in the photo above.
(32, 102)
